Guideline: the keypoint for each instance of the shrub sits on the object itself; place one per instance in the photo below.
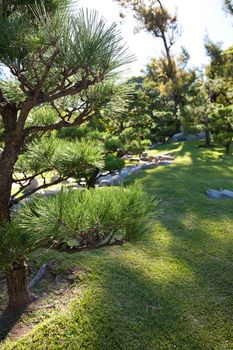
(145, 143)
(89, 218)
(112, 144)
(113, 163)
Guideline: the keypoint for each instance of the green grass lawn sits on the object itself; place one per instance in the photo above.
(170, 289)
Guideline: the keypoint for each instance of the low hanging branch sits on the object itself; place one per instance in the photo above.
(41, 187)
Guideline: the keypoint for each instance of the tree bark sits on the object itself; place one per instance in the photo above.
(207, 138)
(17, 273)
(17, 284)
(227, 147)
(92, 180)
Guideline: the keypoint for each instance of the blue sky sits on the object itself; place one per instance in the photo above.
(196, 17)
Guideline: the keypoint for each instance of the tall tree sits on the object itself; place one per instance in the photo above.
(156, 19)
(56, 59)
(219, 85)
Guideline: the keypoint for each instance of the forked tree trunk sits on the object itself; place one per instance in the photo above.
(17, 284)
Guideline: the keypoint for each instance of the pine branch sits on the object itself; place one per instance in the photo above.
(84, 116)
(41, 187)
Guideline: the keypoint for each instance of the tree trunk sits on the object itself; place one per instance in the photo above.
(17, 284)
(207, 138)
(92, 179)
(227, 147)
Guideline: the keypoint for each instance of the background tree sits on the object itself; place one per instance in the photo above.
(127, 125)
(219, 86)
(228, 5)
(158, 21)
(197, 111)
(53, 56)
(184, 88)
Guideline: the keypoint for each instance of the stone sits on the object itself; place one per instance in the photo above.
(105, 182)
(213, 194)
(144, 155)
(191, 137)
(116, 180)
(33, 184)
(165, 157)
(127, 156)
(128, 170)
(165, 162)
(151, 158)
(39, 275)
(195, 137)
(136, 170)
(178, 137)
(65, 182)
(54, 178)
(227, 193)
(149, 165)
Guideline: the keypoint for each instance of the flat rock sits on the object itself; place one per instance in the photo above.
(165, 157)
(149, 165)
(214, 194)
(165, 162)
(227, 193)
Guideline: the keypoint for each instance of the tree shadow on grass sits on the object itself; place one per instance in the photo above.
(200, 234)
(8, 319)
(137, 313)
(12, 322)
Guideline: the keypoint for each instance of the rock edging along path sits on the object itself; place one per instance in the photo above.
(142, 163)
(114, 179)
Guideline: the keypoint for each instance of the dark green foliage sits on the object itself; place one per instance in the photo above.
(73, 132)
(74, 42)
(9, 7)
(113, 163)
(112, 144)
(222, 125)
(68, 159)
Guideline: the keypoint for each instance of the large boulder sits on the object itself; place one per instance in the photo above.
(178, 137)
(191, 137)
(196, 137)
